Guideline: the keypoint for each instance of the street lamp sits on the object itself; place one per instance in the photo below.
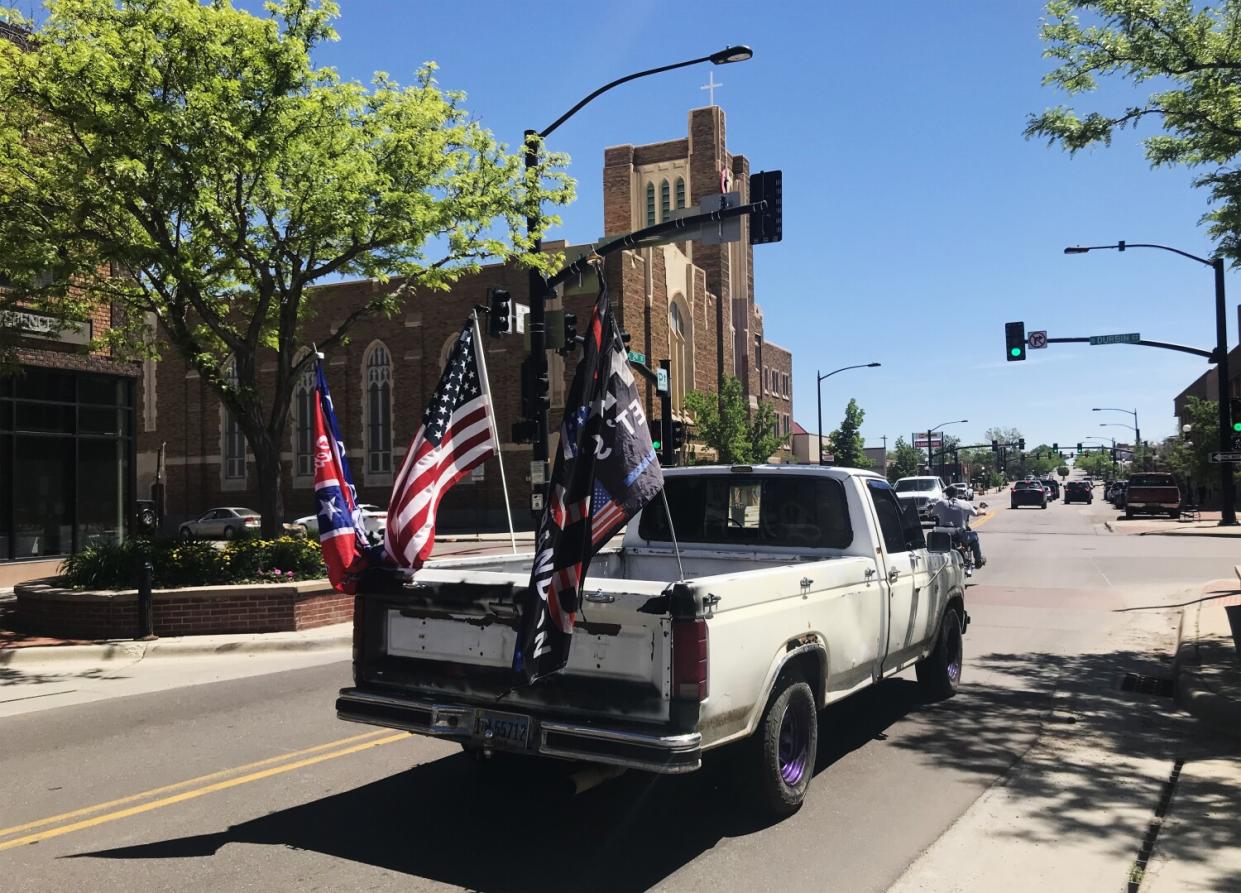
(538, 290)
(1112, 440)
(929, 455)
(819, 394)
(1228, 516)
(1137, 434)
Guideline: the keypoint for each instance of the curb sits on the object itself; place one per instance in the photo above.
(110, 651)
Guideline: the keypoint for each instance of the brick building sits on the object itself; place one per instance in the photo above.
(690, 303)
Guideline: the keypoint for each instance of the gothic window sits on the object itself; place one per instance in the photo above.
(650, 204)
(680, 192)
(377, 372)
(234, 440)
(665, 200)
(304, 424)
(680, 347)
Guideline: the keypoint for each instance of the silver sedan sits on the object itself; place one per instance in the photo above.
(222, 523)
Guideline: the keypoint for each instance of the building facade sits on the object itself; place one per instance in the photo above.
(687, 303)
(66, 436)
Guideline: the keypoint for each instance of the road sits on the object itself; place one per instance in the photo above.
(253, 784)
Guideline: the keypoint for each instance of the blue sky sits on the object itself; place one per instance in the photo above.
(917, 218)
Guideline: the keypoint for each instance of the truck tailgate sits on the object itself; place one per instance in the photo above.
(444, 636)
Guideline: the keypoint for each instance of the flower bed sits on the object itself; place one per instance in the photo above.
(180, 563)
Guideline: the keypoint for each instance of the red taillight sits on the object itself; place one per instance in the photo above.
(689, 659)
(252, 522)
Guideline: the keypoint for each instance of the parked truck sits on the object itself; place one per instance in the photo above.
(1152, 493)
(794, 587)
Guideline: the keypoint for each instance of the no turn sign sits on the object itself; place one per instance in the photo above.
(1037, 340)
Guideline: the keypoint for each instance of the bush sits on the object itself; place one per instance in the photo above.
(181, 563)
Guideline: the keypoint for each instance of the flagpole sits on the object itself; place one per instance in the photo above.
(481, 353)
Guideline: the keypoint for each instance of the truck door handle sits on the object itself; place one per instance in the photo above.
(893, 575)
(602, 598)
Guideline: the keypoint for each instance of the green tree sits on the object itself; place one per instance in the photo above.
(722, 421)
(847, 444)
(905, 460)
(1188, 56)
(197, 153)
(1063, 471)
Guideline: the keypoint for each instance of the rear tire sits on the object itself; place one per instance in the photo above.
(939, 673)
(228, 533)
(783, 748)
(1128, 514)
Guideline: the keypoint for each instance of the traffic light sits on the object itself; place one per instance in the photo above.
(995, 446)
(676, 435)
(656, 427)
(1079, 447)
(767, 225)
(533, 390)
(499, 306)
(1055, 447)
(570, 334)
(1021, 444)
(1234, 414)
(1015, 340)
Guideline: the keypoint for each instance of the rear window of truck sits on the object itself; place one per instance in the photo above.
(752, 510)
(1152, 480)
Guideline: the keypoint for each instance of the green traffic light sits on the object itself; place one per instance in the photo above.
(1016, 351)
(1236, 426)
(657, 444)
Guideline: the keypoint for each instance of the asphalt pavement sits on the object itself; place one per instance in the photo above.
(252, 783)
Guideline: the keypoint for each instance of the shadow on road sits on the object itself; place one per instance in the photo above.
(455, 822)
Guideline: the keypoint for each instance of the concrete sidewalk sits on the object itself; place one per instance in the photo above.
(1206, 670)
(325, 638)
(1206, 525)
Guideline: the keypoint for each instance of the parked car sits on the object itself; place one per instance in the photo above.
(921, 492)
(964, 491)
(374, 520)
(1152, 493)
(1028, 493)
(222, 523)
(825, 589)
(1116, 496)
(1078, 491)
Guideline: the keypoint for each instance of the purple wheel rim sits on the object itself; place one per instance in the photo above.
(952, 645)
(794, 746)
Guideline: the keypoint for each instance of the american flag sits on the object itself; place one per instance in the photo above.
(456, 435)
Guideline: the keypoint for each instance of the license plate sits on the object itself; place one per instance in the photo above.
(509, 729)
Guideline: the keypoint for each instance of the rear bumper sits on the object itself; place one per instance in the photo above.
(665, 754)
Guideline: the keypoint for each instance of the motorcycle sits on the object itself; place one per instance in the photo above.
(961, 547)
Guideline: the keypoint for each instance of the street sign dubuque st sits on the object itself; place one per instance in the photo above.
(1224, 458)
(1127, 338)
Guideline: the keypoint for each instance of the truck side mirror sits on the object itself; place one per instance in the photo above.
(938, 541)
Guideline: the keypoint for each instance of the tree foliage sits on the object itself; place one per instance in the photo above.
(847, 444)
(1190, 54)
(188, 162)
(906, 460)
(722, 421)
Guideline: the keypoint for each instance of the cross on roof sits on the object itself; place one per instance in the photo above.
(710, 86)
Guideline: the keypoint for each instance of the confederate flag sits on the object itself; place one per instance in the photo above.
(341, 534)
(606, 470)
(456, 436)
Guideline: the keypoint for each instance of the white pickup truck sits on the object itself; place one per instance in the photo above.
(797, 586)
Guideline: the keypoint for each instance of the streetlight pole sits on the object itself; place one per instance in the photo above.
(537, 285)
(1137, 431)
(930, 456)
(1228, 514)
(819, 395)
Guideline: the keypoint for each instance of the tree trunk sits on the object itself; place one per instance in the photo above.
(271, 500)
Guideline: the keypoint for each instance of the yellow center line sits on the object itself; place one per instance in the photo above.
(197, 792)
(4, 832)
(983, 520)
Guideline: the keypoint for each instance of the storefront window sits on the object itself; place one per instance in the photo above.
(64, 461)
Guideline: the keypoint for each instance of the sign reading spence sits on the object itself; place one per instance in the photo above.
(37, 325)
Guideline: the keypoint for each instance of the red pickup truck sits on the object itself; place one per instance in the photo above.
(1154, 493)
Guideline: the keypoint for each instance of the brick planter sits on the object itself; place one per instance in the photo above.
(47, 609)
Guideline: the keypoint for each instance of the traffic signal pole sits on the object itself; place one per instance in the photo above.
(1228, 516)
